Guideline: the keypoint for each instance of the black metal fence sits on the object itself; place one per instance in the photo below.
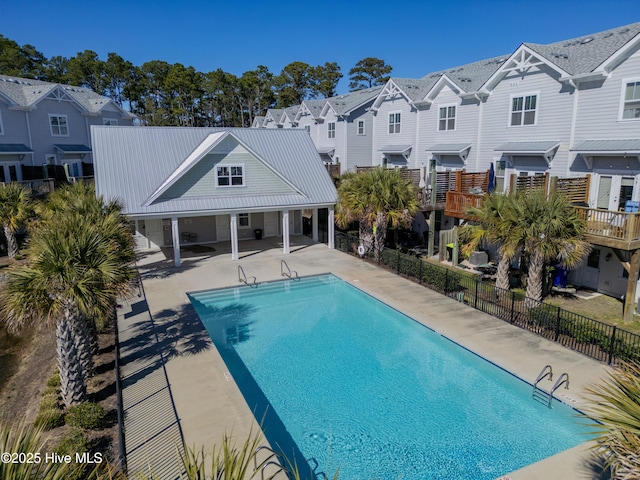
(595, 339)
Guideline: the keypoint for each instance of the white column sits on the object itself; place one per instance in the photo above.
(233, 226)
(314, 225)
(285, 231)
(331, 228)
(175, 234)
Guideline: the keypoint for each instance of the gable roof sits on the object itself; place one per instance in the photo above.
(138, 164)
(27, 93)
(289, 114)
(313, 107)
(345, 104)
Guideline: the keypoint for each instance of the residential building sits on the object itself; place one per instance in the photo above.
(206, 185)
(44, 125)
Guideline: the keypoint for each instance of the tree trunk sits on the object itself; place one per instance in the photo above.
(72, 386)
(502, 275)
(380, 233)
(12, 243)
(82, 342)
(366, 238)
(534, 279)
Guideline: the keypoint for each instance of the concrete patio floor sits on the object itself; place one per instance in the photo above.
(174, 382)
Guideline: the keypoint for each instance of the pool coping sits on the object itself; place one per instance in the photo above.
(193, 377)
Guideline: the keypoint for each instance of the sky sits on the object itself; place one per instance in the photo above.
(414, 37)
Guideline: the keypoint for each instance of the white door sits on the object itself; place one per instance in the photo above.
(10, 172)
(270, 224)
(223, 228)
(614, 191)
(154, 232)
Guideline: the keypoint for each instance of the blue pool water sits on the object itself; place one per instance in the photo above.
(348, 382)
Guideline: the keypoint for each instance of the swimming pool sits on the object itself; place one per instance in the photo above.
(348, 382)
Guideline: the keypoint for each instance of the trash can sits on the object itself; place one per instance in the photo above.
(258, 233)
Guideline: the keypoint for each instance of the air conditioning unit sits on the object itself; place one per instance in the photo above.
(478, 258)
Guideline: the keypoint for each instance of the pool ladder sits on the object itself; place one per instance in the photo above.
(285, 271)
(542, 395)
(271, 463)
(242, 278)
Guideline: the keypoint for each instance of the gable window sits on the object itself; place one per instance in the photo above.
(394, 123)
(230, 176)
(244, 220)
(523, 110)
(447, 118)
(331, 130)
(631, 101)
(110, 121)
(59, 126)
(360, 127)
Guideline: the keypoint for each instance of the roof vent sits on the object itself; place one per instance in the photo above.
(607, 35)
(559, 55)
(624, 30)
(586, 40)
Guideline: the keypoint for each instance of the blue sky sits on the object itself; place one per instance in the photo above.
(414, 37)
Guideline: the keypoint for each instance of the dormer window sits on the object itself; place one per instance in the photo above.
(230, 176)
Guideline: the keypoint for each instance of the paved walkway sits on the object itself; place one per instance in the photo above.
(173, 368)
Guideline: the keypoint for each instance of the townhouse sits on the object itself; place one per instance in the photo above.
(45, 128)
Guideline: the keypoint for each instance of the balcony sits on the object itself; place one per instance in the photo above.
(458, 202)
(612, 229)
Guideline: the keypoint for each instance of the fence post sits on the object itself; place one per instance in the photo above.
(446, 281)
(513, 301)
(420, 270)
(558, 325)
(613, 340)
(475, 304)
(398, 261)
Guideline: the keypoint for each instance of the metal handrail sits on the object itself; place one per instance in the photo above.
(242, 278)
(268, 462)
(564, 379)
(292, 274)
(546, 370)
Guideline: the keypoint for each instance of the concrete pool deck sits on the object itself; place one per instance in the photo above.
(174, 382)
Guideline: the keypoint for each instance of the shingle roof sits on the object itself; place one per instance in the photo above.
(26, 92)
(131, 163)
(584, 54)
(315, 106)
(343, 104)
(290, 112)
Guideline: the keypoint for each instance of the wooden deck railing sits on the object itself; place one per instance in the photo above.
(610, 228)
(458, 202)
(37, 187)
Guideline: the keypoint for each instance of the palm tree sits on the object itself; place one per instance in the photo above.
(15, 210)
(494, 227)
(78, 264)
(615, 405)
(377, 199)
(551, 232)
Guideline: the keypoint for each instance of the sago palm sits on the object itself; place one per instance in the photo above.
(16, 208)
(615, 405)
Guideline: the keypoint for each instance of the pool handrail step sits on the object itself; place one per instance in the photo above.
(242, 278)
(285, 271)
(272, 460)
(539, 393)
(542, 395)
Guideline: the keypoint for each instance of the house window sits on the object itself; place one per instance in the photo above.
(231, 176)
(244, 220)
(394, 123)
(593, 260)
(631, 101)
(331, 130)
(59, 126)
(110, 121)
(10, 172)
(308, 128)
(360, 127)
(1, 127)
(523, 110)
(447, 118)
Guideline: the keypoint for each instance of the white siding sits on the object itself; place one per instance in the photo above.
(407, 134)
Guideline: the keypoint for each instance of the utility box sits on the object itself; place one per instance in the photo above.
(478, 258)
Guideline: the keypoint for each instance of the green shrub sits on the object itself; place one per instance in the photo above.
(54, 381)
(87, 415)
(75, 442)
(48, 419)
